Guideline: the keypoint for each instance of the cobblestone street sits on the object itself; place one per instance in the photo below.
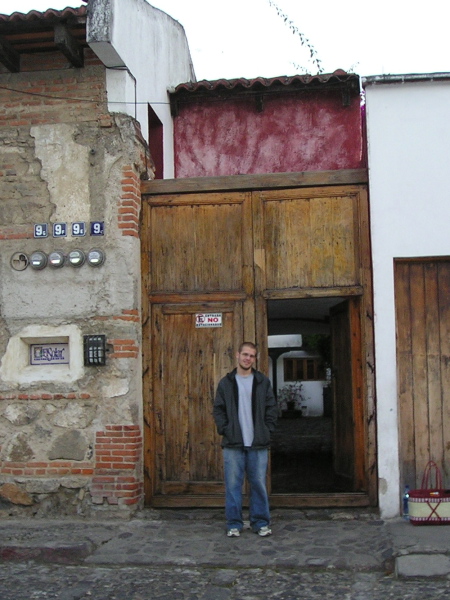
(185, 555)
(30, 581)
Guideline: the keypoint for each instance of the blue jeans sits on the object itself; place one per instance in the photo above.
(238, 463)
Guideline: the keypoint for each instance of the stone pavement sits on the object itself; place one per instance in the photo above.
(35, 581)
(345, 540)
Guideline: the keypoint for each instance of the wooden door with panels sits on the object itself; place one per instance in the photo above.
(313, 243)
(199, 263)
(188, 362)
(422, 300)
(307, 243)
(228, 253)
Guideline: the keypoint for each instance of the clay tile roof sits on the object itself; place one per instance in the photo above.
(49, 14)
(263, 83)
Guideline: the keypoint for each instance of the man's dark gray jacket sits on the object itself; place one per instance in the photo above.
(264, 410)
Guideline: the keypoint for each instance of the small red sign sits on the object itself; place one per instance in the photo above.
(208, 320)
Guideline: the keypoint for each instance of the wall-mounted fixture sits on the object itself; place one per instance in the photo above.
(76, 258)
(38, 260)
(19, 261)
(94, 350)
(95, 257)
(56, 259)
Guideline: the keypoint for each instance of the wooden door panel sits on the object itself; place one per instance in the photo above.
(444, 330)
(323, 254)
(422, 298)
(197, 244)
(187, 369)
(405, 372)
(200, 259)
(310, 238)
(348, 411)
(343, 425)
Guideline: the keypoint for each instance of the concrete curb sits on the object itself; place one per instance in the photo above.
(422, 565)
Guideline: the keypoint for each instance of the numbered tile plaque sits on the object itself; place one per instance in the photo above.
(97, 228)
(78, 229)
(41, 230)
(59, 229)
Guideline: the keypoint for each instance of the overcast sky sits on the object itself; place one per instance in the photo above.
(246, 38)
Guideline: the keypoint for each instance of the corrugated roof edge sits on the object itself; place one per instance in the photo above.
(263, 82)
(35, 15)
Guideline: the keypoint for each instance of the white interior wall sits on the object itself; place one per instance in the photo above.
(408, 129)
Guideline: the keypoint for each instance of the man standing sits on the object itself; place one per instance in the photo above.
(245, 412)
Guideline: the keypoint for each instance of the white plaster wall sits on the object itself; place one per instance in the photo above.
(147, 53)
(99, 291)
(312, 392)
(64, 167)
(15, 365)
(408, 126)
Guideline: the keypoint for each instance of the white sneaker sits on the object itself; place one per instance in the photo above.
(264, 531)
(233, 532)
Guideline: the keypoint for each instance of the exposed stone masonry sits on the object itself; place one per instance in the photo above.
(70, 447)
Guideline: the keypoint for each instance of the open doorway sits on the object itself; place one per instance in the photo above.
(310, 355)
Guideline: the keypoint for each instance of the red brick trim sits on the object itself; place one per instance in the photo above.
(129, 205)
(124, 348)
(46, 469)
(115, 476)
(20, 232)
(118, 458)
(127, 315)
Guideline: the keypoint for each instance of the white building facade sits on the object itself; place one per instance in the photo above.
(408, 129)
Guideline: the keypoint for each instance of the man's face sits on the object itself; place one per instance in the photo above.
(246, 358)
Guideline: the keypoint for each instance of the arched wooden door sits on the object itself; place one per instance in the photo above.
(221, 256)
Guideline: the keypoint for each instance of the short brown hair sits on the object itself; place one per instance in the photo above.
(249, 344)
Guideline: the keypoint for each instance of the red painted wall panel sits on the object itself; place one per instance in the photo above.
(305, 131)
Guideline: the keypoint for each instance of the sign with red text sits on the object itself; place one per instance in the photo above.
(208, 320)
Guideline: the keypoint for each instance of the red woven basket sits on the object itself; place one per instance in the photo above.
(430, 505)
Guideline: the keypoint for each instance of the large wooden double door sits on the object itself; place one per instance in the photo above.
(224, 255)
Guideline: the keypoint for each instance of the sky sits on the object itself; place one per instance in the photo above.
(247, 38)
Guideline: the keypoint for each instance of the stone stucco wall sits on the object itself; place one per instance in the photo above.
(70, 438)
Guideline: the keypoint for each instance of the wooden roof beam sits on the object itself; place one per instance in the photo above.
(8, 56)
(68, 45)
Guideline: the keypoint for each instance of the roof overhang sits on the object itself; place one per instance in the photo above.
(348, 84)
(408, 78)
(49, 31)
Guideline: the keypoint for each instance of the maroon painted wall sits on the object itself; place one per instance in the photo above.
(300, 131)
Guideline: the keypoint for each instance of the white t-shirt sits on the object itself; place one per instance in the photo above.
(245, 385)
